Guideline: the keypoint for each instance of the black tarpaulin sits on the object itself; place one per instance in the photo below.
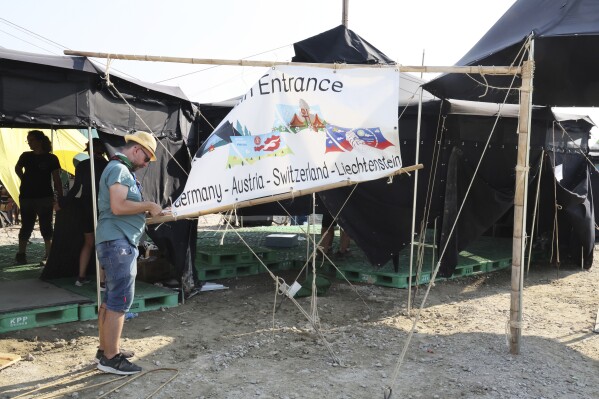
(566, 38)
(72, 92)
(567, 194)
(484, 206)
(63, 91)
(338, 45)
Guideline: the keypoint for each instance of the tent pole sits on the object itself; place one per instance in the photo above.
(520, 200)
(345, 11)
(414, 203)
(311, 253)
(92, 169)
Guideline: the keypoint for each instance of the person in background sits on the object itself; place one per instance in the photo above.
(7, 205)
(81, 197)
(327, 232)
(120, 225)
(37, 169)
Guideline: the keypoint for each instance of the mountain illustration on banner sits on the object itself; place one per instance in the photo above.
(293, 119)
(346, 139)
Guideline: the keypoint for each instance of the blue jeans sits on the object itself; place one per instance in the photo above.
(118, 258)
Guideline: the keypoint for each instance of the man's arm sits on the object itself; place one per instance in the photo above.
(120, 205)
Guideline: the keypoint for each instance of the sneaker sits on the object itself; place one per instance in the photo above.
(21, 258)
(100, 352)
(81, 281)
(118, 365)
(102, 286)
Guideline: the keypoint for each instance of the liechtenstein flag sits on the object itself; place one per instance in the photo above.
(346, 139)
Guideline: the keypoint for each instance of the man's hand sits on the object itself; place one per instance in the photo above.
(154, 209)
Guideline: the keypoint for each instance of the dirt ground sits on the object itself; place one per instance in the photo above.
(237, 343)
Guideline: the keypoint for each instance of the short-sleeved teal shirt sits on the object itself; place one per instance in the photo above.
(110, 226)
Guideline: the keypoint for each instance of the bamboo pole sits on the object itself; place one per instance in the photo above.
(485, 70)
(272, 198)
(520, 199)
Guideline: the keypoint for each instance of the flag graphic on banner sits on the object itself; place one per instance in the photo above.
(346, 139)
(250, 149)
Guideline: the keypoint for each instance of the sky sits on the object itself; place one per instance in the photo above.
(438, 31)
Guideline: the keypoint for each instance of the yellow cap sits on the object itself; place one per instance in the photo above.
(146, 140)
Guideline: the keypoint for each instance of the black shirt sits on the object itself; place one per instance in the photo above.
(37, 177)
(82, 186)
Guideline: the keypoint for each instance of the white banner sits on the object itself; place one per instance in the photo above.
(298, 128)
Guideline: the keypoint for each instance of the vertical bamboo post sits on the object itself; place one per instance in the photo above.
(520, 199)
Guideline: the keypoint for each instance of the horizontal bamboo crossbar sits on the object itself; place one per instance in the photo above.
(484, 70)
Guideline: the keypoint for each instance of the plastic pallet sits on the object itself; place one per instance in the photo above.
(469, 270)
(22, 320)
(499, 264)
(220, 272)
(386, 279)
(88, 312)
(232, 254)
(277, 266)
(147, 297)
(140, 304)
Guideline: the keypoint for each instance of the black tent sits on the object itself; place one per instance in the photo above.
(566, 35)
(72, 92)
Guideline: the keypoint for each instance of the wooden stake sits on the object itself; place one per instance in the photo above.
(272, 198)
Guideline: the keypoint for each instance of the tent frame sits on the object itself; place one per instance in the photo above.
(522, 172)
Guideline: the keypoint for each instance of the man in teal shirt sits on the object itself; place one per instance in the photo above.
(121, 222)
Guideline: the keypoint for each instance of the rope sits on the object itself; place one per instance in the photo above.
(518, 58)
(217, 66)
(312, 240)
(81, 373)
(536, 210)
(111, 85)
(578, 147)
(508, 334)
(279, 282)
(429, 196)
(433, 276)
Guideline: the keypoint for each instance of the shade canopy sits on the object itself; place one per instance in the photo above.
(566, 38)
(65, 91)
